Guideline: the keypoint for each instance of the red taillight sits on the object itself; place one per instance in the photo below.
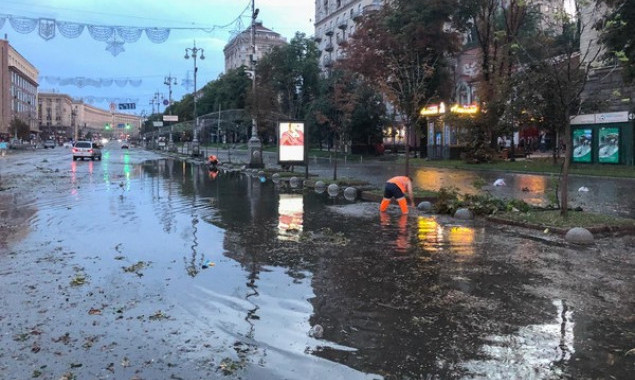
(90, 151)
(74, 150)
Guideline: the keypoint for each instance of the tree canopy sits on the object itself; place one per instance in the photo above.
(618, 36)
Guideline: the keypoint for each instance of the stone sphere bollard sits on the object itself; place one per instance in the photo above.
(579, 235)
(424, 206)
(333, 189)
(294, 182)
(256, 154)
(350, 193)
(463, 213)
(275, 178)
(320, 186)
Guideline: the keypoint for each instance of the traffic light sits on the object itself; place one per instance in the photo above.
(107, 127)
(128, 126)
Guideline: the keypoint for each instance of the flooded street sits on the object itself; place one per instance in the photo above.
(144, 267)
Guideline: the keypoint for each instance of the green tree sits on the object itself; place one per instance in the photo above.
(402, 50)
(500, 29)
(558, 70)
(21, 128)
(288, 81)
(335, 110)
(617, 34)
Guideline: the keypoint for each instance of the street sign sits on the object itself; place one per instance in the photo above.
(170, 117)
(127, 106)
(157, 123)
(166, 102)
(631, 116)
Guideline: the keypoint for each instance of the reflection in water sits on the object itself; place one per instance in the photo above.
(402, 240)
(290, 219)
(461, 240)
(533, 352)
(430, 233)
(434, 237)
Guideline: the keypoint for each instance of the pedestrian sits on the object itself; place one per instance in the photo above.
(212, 161)
(397, 187)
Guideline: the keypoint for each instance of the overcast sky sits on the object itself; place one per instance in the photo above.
(150, 62)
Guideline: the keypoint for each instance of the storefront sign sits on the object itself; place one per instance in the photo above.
(464, 109)
(433, 110)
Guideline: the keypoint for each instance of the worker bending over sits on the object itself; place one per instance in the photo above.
(397, 187)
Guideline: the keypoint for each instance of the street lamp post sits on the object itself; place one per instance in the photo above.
(193, 51)
(254, 146)
(170, 81)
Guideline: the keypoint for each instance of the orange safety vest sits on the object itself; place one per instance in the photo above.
(401, 182)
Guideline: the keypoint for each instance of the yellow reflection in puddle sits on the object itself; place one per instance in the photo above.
(461, 240)
(429, 233)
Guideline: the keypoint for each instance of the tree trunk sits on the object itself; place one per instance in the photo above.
(564, 204)
(406, 139)
(335, 162)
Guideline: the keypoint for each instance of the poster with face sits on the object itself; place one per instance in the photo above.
(609, 145)
(582, 141)
(291, 142)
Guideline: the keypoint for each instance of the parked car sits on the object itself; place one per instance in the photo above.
(86, 149)
(49, 144)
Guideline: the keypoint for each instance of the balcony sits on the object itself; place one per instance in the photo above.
(374, 7)
(317, 39)
(329, 32)
(327, 62)
(343, 25)
(329, 47)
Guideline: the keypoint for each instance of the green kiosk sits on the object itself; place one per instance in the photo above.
(603, 138)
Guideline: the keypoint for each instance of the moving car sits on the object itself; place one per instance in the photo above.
(49, 144)
(86, 149)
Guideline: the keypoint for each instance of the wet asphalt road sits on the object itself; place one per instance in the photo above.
(144, 267)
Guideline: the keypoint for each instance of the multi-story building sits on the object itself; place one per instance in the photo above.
(335, 21)
(238, 51)
(62, 117)
(18, 89)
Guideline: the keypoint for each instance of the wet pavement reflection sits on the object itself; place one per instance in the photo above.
(262, 280)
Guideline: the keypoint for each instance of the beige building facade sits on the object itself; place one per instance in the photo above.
(63, 118)
(18, 89)
(335, 21)
(239, 50)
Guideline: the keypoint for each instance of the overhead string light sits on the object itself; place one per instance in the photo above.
(114, 36)
(94, 82)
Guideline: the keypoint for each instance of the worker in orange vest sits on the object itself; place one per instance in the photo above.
(397, 187)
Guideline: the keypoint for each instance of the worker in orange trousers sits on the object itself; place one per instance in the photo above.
(397, 187)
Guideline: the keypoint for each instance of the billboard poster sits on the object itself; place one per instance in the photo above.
(609, 145)
(291, 142)
(582, 142)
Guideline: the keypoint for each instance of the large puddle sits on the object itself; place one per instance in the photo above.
(164, 268)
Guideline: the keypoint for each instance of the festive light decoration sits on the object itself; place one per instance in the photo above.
(94, 82)
(114, 36)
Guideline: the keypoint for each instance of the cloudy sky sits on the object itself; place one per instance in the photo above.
(145, 61)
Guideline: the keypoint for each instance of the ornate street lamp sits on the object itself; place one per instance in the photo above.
(254, 146)
(170, 81)
(194, 51)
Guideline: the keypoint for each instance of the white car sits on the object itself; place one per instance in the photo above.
(86, 149)
(49, 144)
